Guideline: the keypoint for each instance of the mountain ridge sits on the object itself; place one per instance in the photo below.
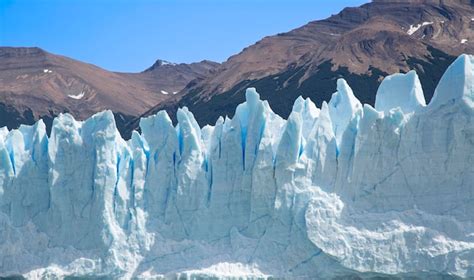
(38, 84)
(370, 42)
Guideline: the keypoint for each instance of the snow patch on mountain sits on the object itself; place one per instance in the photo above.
(414, 28)
(77, 96)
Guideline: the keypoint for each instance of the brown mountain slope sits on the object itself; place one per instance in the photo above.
(35, 83)
(376, 34)
(170, 78)
(360, 44)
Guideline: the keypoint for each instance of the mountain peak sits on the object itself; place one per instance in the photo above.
(160, 63)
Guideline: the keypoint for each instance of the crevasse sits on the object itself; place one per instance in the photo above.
(345, 190)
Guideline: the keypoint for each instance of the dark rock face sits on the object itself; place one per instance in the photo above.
(361, 44)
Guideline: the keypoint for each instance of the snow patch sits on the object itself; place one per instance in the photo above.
(164, 92)
(463, 41)
(164, 62)
(47, 71)
(77, 96)
(414, 28)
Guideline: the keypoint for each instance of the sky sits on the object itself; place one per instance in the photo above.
(130, 35)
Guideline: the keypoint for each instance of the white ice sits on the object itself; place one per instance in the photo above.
(400, 91)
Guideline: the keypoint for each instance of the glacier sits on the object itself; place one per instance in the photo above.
(345, 190)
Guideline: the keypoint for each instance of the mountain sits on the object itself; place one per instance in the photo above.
(360, 44)
(172, 77)
(345, 191)
(36, 84)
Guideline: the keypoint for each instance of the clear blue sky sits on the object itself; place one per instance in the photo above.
(129, 35)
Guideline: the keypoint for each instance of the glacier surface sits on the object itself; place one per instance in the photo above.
(346, 190)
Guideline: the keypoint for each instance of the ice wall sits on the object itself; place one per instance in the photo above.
(345, 190)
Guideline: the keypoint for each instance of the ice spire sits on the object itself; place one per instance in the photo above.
(156, 129)
(400, 90)
(189, 132)
(290, 143)
(309, 113)
(342, 108)
(456, 83)
(251, 116)
(160, 143)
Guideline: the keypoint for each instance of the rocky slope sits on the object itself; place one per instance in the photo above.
(36, 84)
(359, 44)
